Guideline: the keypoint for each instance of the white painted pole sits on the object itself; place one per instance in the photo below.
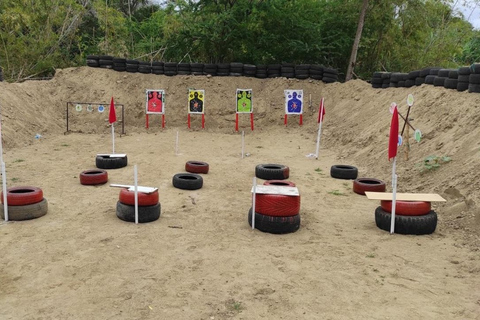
(176, 145)
(319, 132)
(4, 180)
(253, 201)
(243, 143)
(113, 139)
(394, 200)
(135, 177)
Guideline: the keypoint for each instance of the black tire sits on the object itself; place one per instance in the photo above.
(474, 78)
(424, 72)
(434, 71)
(187, 181)
(430, 79)
(409, 83)
(450, 83)
(170, 73)
(26, 212)
(453, 74)
(341, 171)
(93, 63)
(288, 74)
(275, 225)
(444, 72)
(302, 76)
(126, 212)
(463, 71)
(272, 171)
(412, 75)
(474, 88)
(105, 162)
(475, 68)
(419, 81)
(418, 225)
(464, 78)
(439, 81)
(462, 86)
(328, 79)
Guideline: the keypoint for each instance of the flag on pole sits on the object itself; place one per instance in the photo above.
(321, 112)
(112, 117)
(393, 139)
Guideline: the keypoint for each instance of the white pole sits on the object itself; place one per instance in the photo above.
(176, 145)
(4, 180)
(394, 200)
(243, 143)
(136, 192)
(253, 201)
(113, 138)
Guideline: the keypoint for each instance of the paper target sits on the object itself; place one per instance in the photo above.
(101, 108)
(89, 108)
(78, 107)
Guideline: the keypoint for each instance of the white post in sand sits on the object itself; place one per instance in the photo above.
(394, 200)
(243, 143)
(253, 201)
(319, 131)
(113, 139)
(4, 174)
(135, 177)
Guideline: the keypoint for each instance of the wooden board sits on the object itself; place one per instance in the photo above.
(429, 197)
(283, 190)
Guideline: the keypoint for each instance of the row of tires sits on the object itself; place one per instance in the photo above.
(1, 74)
(236, 69)
(461, 79)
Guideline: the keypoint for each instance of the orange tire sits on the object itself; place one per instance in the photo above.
(361, 185)
(144, 199)
(277, 205)
(21, 196)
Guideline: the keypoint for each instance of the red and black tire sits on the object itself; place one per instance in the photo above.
(283, 183)
(144, 199)
(277, 205)
(275, 225)
(24, 195)
(196, 167)
(26, 212)
(93, 177)
(418, 225)
(361, 185)
(407, 208)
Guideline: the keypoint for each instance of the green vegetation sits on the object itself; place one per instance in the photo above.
(337, 193)
(431, 163)
(18, 160)
(36, 37)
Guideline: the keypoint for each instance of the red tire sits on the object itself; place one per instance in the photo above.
(361, 185)
(196, 167)
(21, 196)
(93, 177)
(279, 183)
(407, 208)
(277, 205)
(144, 199)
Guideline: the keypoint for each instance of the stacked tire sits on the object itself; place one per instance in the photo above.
(170, 68)
(149, 208)
(411, 217)
(287, 70)
(183, 68)
(92, 61)
(377, 80)
(316, 72)
(397, 79)
(463, 78)
(302, 71)
(105, 62)
(119, 64)
(442, 75)
(197, 68)
(24, 203)
(131, 65)
(158, 68)
(330, 75)
(452, 81)
(144, 67)
(1, 74)
(249, 70)
(223, 69)
(262, 71)
(276, 213)
(474, 78)
(210, 68)
(236, 69)
(411, 78)
(274, 70)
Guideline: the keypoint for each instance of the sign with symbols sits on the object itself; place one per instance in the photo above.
(89, 108)
(293, 101)
(155, 101)
(196, 101)
(244, 101)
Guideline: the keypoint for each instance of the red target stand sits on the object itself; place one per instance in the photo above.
(293, 105)
(196, 105)
(155, 104)
(243, 104)
(237, 121)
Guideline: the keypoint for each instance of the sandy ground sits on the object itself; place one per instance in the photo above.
(201, 260)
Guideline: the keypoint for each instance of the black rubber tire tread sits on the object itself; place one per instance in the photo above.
(22, 195)
(302, 76)
(419, 81)
(474, 88)
(105, 57)
(475, 68)
(105, 162)
(146, 214)
(343, 171)
(314, 76)
(328, 79)
(96, 57)
(430, 79)
(197, 167)
(277, 205)
(129, 61)
(272, 171)
(360, 185)
(408, 83)
(453, 74)
(444, 72)
(416, 225)
(93, 177)
(288, 74)
(144, 199)
(464, 71)
(275, 225)
(439, 81)
(412, 75)
(424, 72)
(464, 78)
(450, 83)
(26, 212)
(474, 78)
(187, 181)
(279, 183)
(434, 71)
(462, 86)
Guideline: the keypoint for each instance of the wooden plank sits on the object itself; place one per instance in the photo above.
(283, 190)
(429, 197)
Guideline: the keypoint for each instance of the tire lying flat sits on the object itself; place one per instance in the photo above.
(144, 199)
(187, 181)
(26, 212)
(93, 177)
(105, 162)
(360, 185)
(197, 167)
(417, 225)
(272, 171)
(343, 171)
(275, 225)
(126, 212)
(23, 195)
(407, 208)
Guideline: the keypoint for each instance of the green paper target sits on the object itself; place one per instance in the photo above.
(410, 100)
(418, 135)
(78, 107)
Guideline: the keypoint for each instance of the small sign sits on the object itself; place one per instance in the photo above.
(392, 107)
(244, 101)
(410, 100)
(418, 135)
(89, 108)
(101, 108)
(78, 107)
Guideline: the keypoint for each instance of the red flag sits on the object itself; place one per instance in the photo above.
(321, 112)
(393, 139)
(112, 117)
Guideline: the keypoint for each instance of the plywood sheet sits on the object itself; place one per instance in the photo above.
(431, 197)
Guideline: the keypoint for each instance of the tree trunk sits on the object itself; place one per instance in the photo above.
(356, 42)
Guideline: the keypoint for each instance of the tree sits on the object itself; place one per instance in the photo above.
(356, 42)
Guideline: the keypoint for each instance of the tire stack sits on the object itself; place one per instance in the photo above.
(210, 68)
(474, 78)
(411, 217)
(196, 68)
(236, 69)
(1, 74)
(183, 69)
(262, 72)
(148, 206)
(420, 79)
(157, 67)
(92, 61)
(377, 80)
(330, 75)
(105, 62)
(223, 69)
(316, 72)
(170, 68)
(131, 65)
(249, 70)
(144, 67)
(119, 64)
(463, 78)
(411, 78)
(386, 79)
(274, 70)
(452, 81)
(302, 71)
(442, 75)
(287, 70)
(24, 203)
(397, 79)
